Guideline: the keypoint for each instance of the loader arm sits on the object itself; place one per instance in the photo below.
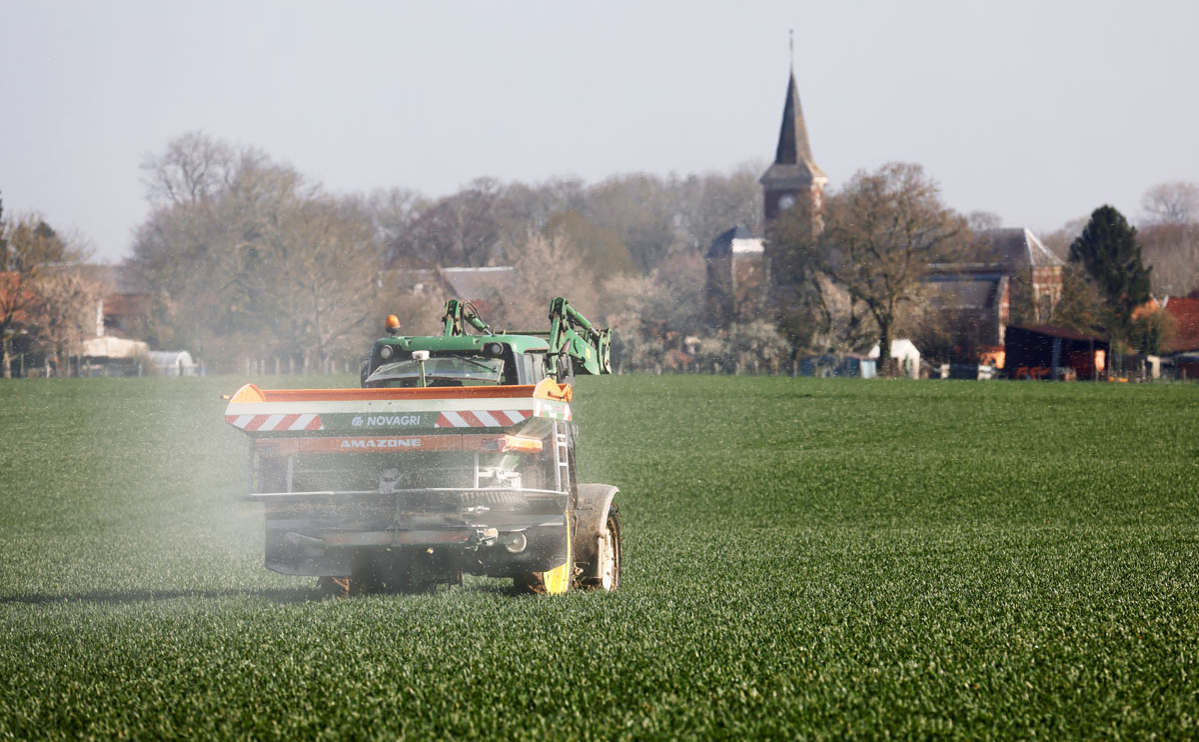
(459, 314)
(572, 337)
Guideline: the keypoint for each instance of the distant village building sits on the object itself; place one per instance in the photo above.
(738, 272)
(1183, 312)
(125, 305)
(1182, 338)
(124, 309)
(108, 354)
(975, 295)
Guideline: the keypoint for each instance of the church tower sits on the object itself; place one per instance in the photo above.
(794, 174)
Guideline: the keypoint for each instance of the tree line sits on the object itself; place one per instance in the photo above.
(244, 258)
(250, 259)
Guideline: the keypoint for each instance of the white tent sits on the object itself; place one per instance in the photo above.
(172, 363)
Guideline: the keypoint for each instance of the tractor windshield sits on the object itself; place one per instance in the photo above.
(441, 371)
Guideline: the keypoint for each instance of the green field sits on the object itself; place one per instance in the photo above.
(805, 559)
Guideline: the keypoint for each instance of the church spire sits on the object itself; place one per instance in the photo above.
(794, 148)
(794, 175)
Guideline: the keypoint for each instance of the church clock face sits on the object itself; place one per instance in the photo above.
(786, 202)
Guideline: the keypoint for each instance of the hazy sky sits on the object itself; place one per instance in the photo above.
(1038, 111)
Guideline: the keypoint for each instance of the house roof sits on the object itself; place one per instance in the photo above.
(1014, 248)
(107, 346)
(736, 241)
(1057, 332)
(1185, 313)
(969, 293)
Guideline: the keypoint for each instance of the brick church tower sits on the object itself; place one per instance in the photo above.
(794, 174)
(739, 280)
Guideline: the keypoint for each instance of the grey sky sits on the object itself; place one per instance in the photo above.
(1038, 111)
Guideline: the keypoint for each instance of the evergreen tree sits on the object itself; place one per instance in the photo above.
(1109, 252)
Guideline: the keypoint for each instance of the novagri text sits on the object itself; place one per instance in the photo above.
(377, 420)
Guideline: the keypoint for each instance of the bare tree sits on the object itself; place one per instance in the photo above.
(28, 247)
(656, 315)
(463, 229)
(322, 283)
(708, 204)
(880, 235)
(546, 265)
(1173, 251)
(194, 167)
(1176, 202)
(1081, 307)
(264, 265)
(66, 310)
(533, 204)
(601, 251)
(639, 208)
(1170, 236)
(211, 256)
(392, 213)
(981, 221)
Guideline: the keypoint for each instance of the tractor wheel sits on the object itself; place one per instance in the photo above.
(607, 560)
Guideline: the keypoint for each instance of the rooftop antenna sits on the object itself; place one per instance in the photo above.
(791, 43)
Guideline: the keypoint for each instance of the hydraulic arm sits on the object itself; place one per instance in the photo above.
(458, 314)
(576, 346)
(575, 343)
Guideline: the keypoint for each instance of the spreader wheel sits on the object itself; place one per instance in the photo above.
(552, 582)
(378, 573)
(334, 587)
(606, 567)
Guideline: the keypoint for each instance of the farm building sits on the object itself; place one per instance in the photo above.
(1182, 342)
(975, 294)
(106, 355)
(906, 355)
(1044, 352)
(1186, 366)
